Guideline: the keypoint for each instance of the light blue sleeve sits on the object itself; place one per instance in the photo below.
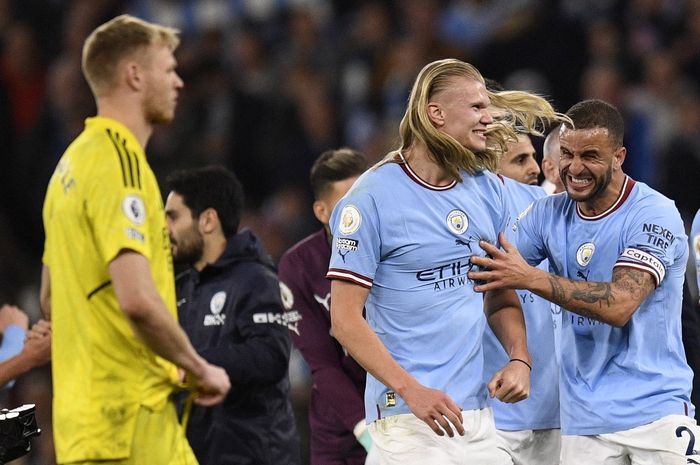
(519, 198)
(356, 248)
(654, 241)
(505, 219)
(695, 238)
(527, 233)
(12, 342)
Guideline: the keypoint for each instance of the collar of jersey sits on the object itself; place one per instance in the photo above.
(114, 125)
(627, 186)
(411, 174)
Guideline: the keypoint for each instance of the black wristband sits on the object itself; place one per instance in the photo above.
(521, 361)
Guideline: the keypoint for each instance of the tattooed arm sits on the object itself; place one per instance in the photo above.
(613, 303)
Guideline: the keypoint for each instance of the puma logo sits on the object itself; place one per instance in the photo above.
(468, 244)
(326, 302)
(342, 255)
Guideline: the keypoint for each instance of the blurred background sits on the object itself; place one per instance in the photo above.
(270, 84)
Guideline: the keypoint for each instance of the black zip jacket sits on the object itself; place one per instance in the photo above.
(233, 314)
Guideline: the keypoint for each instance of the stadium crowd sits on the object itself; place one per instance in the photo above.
(269, 85)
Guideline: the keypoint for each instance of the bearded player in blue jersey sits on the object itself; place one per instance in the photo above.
(619, 251)
(402, 238)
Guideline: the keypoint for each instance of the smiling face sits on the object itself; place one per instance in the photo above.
(590, 166)
(519, 162)
(461, 111)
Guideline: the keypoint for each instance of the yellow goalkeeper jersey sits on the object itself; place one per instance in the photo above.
(102, 198)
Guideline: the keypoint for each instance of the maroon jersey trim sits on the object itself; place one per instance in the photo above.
(345, 275)
(624, 193)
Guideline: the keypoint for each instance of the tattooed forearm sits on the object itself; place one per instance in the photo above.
(589, 293)
(636, 282)
(611, 302)
(558, 294)
(600, 293)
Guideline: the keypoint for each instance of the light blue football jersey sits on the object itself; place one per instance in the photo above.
(410, 242)
(695, 239)
(613, 379)
(541, 409)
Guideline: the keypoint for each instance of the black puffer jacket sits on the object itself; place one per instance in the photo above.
(234, 317)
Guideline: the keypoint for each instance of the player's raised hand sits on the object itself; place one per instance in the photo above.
(505, 269)
(435, 408)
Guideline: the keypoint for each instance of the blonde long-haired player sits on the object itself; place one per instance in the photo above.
(402, 241)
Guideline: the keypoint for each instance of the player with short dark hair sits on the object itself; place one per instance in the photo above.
(338, 432)
(229, 304)
(519, 161)
(619, 252)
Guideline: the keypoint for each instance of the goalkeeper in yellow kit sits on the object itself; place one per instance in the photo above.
(107, 280)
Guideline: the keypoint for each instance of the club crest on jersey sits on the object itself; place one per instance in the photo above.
(457, 221)
(585, 253)
(287, 296)
(216, 305)
(350, 219)
(217, 302)
(134, 209)
(696, 246)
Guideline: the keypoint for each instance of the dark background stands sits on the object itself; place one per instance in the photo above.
(271, 84)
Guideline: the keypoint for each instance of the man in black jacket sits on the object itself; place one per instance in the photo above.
(229, 304)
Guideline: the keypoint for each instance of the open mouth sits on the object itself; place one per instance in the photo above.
(579, 182)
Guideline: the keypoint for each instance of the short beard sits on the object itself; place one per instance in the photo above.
(599, 188)
(189, 252)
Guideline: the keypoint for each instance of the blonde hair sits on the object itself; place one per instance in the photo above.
(519, 112)
(115, 40)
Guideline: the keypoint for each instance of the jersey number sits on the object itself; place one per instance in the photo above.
(691, 439)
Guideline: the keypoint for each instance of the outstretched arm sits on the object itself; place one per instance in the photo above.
(610, 302)
(434, 407)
